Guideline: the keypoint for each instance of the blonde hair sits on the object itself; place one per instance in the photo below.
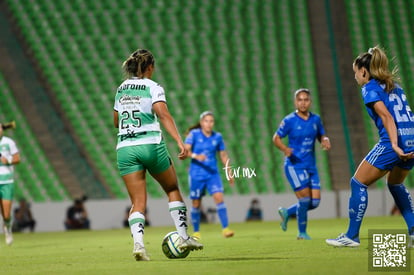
(137, 63)
(375, 61)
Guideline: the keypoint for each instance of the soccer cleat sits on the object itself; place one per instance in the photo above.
(8, 235)
(197, 235)
(303, 236)
(191, 243)
(227, 233)
(285, 218)
(140, 253)
(342, 241)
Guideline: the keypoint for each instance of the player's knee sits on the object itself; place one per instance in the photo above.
(218, 197)
(314, 203)
(304, 202)
(196, 204)
(170, 188)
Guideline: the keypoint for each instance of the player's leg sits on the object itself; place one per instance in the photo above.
(215, 188)
(196, 189)
(6, 199)
(315, 198)
(136, 186)
(295, 183)
(304, 201)
(286, 213)
(133, 175)
(158, 162)
(315, 195)
(299, 180)
(402, 196)
(365, 175)
(177, 208)
(162, 169)
(315, 188)
(222, 214)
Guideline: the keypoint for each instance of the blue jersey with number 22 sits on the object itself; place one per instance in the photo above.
(397, 105)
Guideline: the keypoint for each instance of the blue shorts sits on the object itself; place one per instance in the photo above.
(198, 186)
(301, 178)
(385, 158)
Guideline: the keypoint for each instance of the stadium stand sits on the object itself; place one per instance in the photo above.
(241, 59)
(35, 178)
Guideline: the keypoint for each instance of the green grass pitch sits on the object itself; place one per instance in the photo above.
(256, 248)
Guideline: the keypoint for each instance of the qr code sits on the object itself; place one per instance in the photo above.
(389, 250)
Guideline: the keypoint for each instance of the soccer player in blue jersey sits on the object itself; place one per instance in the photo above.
(203, 144)
(302, 128)
(387, 105)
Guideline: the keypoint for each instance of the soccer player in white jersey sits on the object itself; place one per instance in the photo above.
(393, 155)
(302, 128)
(9, 157)
(139, 104)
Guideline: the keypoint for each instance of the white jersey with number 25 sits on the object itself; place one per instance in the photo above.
(133, 102)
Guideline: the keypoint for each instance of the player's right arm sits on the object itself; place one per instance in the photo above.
(188, 146)
(389, 124)
(277, 141)
(13, 157)
(163, 114)
(192, 155)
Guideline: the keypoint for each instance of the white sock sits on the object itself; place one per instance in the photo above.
(178, 213)
(136, 224)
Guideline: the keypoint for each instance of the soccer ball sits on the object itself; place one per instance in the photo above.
(169, 246)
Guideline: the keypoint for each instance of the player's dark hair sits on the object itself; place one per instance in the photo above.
(375, 61)
(137, 63)
(195, 126)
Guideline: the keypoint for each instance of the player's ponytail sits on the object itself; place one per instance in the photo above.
(195, 126)
(379, 68)
(137, 63)
(375, 61)
(8, 125)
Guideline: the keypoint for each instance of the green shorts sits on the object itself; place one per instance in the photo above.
(153, 157)
(7, 191)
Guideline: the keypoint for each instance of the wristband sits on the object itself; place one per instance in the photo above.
(325, 138)
(193, 155)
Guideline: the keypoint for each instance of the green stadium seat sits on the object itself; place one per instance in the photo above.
(30, 180)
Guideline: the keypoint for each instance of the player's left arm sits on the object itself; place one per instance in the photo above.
(389, 124)
(116, 119)
(15, 159)
(226, 162)
(323, 138)
(325, 142)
